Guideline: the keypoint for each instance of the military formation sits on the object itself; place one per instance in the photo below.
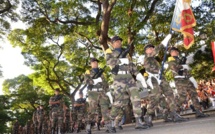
(98, 111)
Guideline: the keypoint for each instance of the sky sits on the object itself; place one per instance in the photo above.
(12, 61)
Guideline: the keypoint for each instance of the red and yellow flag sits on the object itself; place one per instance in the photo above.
(183, 21)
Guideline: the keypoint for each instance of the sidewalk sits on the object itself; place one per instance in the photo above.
(189, 111)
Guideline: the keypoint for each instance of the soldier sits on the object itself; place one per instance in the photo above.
(80, 109)
(35, 121)
(16, 127)
(97, 89)
(40, 118)
(28, 127)
(57, 104)
(124, 84)
(184, 82)
(158, 87)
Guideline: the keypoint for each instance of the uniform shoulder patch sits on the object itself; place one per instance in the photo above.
(108, 51)
(171, 59)
(87, 72)
(145, 74)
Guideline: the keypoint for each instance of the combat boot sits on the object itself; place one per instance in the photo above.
(98, 126)
(139, 124)
(59, 130)
(167, 118)
(110, 127)
(199, 114)
(88, 128)
(52, 131)
(178, 118)
(118, 124)
(148, 120)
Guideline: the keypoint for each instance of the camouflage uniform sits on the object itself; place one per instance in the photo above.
(16, 128)
(40, 119)
(57, 112)
(28, 127)
(35, 121)
(152, 67)
(97, 97)
(183, 84)
(80, 112)
(123, 85)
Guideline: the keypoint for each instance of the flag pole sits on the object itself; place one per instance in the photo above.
(166, 48)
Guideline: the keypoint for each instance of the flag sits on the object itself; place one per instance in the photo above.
(213, 51)
(183, 20)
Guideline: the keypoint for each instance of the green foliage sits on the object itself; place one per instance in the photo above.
(8, 14)
(61, 36)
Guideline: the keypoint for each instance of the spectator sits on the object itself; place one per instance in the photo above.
(203, 97)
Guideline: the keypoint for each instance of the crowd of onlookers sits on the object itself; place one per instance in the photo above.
(206, 97)
(206, 93)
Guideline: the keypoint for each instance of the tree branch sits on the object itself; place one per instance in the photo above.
(7, 8)
(149, 13)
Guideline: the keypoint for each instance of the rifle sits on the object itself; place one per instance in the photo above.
(57, 98)
(183, 61)
(123, 54)
(95, 76)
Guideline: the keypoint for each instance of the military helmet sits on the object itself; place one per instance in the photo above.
(115, 38)
(57, 90)
(94, 59)
(148, 46)
(174, 49)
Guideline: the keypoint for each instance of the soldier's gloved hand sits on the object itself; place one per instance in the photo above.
(166, 40)
(192, 79)
(96, 81)
(124, 61)
(186, 67)
(90, 87)
(140, 78)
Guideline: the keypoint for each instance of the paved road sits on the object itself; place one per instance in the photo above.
(193, 126)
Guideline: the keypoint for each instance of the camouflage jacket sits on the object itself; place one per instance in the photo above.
(112, 59)
(34, 118)
(60, 98)
(88, 79)
(175, 67)
(150, 63)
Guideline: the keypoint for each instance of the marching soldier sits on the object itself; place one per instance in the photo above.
(35, 121)
(16, 127)
(97, 88)
(28, 127)
(57, 104)
(40, 118)
(184, 82)
(124, 84)
(80, 109)
(158, 87)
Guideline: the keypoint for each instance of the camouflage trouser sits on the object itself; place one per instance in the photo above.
(36, 126)
(120, 112)
(57, 117)
(40, 124)
(156, 97)
(80, 115)
(98, 99)
(125, 85)
(184, 87)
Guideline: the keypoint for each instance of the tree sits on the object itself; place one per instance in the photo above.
(23, 97)
(4, 117)
(8, 14)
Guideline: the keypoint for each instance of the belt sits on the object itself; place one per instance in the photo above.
(180, 77)
(97, 89)
(123, 72)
